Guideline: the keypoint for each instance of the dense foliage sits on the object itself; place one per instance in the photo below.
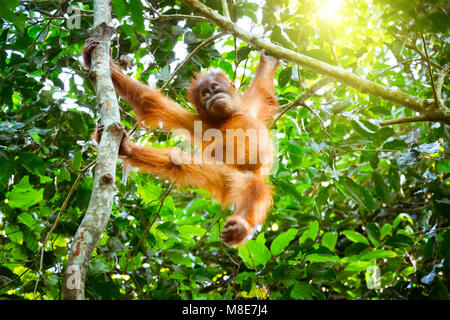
(353, 200)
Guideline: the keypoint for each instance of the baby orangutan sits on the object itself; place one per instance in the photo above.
(231, 130)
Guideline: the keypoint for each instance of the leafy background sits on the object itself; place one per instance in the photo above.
(373, 196)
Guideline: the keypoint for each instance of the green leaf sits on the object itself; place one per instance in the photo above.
(45, 179)
(329, 240)
(381, 187)
(149, 192)
(260, 255)
(282, 241)
(136, 8)
(179, 257)
(190, 230)
(385, 230)
(64, 175)
(399, 241)
(310, 233)
(284, 76)
(321, 55)
(355, 236)
(355, 192)
(23, 195)
(395, 144)
(355, 248)
(14, 234)
(76, 163)
(301, 291)
(358, 266)
(315, 257)
(443, 165)
(30, 240)
(394, 178)
(241, 277)
(27, 220)
(119, 8)
(97, 267)
(378, 254)
(243, 53)
(374, 234)
(33, 163)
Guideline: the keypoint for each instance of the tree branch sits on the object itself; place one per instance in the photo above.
(365, 86)
(189, 57)
(429, 70)
(97, 215)
(226, 12)
(403, 120)
(177, 16)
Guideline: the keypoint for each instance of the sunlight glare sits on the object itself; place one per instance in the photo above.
(328, 8)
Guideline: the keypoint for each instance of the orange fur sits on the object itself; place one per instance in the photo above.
(241, 185)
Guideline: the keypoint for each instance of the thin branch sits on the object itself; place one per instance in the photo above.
(300, 100)
(226, 12)
(429, 70)
(150, 224)
(243, 73)
(440, 82)
(189, 57)
(379, 73)
(153, 9)
(420, 53)
(177, 16)
(324, 129)
(58, 217)
(403, 120)
(236, 63)
(209, 229)
(336, 60)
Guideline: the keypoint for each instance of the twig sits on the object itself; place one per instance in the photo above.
(153, 9)
(300, 100)
(333, 53)
(226, 12)
(379, 73)
(149, 226)
(236, 63)
(177, 16)
(440, 82)
(421, 54)
(256, 273)
(189, 57)
(429, 70)
(64, 206)
(324, 129)
(209, 229)
(243, 73)
(403, 120)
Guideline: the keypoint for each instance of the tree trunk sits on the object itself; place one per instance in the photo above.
(99, 210)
